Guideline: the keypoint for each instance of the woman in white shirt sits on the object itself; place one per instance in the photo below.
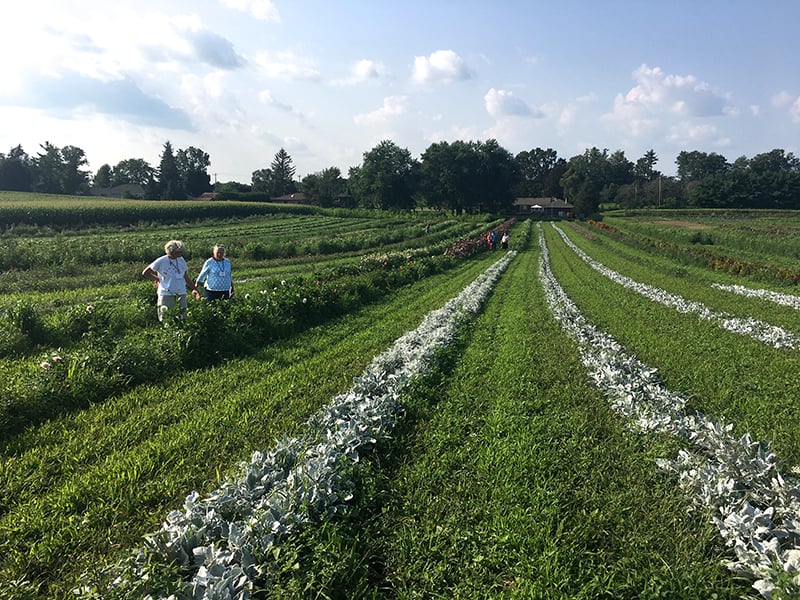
(170, 274)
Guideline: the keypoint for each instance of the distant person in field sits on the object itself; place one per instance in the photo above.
(490, 240)
(170, 274)
(494, 240)
(216, 276)
(504, 240)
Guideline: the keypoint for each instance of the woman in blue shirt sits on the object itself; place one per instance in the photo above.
(216, 276)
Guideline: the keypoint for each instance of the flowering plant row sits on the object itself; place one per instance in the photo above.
(763, 332)
(468, 246)
(756, 508)
(223, 543)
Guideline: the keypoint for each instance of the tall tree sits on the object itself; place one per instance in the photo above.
(60, 171)
(498, 174)
(169, 177)
(387, 177)
(584, 180)
(102, 179)
(540, 171)
(282, 169)
(193, 166)
(74, 177)
(645, 167)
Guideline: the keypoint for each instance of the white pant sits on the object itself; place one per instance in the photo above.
(166, 303)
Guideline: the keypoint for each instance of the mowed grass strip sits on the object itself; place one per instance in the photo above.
(94, 483)
(726, 375)
(513, 478)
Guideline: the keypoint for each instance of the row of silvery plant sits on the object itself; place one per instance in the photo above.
(226, 540)
(734, 479)
(783, 299)
(771, 335)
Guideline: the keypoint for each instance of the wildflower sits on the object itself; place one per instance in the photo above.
(89, 308)
(45, 364)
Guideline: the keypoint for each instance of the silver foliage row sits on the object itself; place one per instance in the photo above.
(778, 298)
(763, 332)
(227, 539)
(736, 479)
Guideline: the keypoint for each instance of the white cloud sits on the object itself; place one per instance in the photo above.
(367, 69)
(782, 99)
(442, 65)
(286, 65)
(263, 10)
(363, 71)
(393, 106)
(794, 111)
(657, 93)
(502, 103)
(691, 134)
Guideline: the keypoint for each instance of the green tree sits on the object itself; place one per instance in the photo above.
(261, 180)
(584, 180)
(442, 174)
(193, 166)
(133, 170)
(468, 176)
(282, 169)
(323, 188)
(497, 175)
(645, 167)
(694, 165)
(386, 178)
(540, 173)
(60, 171)
(16, 170)
(74, 177)
(102, 179)
(169, 177)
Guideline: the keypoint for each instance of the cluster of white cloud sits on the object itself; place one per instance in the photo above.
(442, 65)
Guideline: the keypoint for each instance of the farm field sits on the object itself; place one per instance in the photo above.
(510, 451)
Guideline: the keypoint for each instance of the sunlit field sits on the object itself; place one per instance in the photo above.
(387, 408)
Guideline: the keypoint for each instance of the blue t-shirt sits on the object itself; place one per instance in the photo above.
(216, 274)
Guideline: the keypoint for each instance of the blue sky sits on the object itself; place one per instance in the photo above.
(327, 81)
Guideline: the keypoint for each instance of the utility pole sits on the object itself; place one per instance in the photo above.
(659, 191)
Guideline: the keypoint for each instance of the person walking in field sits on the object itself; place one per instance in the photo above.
(170, 274)
(504, 240)
(216, 276)
(490, 240)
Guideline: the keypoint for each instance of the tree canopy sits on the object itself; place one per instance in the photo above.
(459, 176)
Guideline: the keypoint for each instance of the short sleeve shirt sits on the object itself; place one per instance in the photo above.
(171, 272)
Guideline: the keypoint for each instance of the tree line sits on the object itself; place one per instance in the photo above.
(459, 176)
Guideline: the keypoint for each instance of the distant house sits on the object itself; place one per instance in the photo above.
(296, 198)
(208, 196)
(543, 208)
(126, 190)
